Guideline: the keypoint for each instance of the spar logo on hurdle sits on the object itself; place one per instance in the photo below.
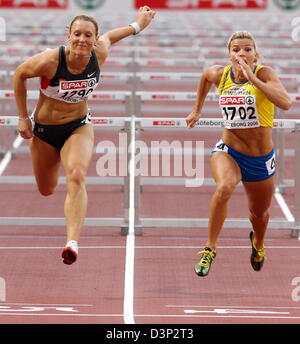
(164, 123)
(163, 96)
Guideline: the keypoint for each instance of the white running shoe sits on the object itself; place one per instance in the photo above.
(70, 252)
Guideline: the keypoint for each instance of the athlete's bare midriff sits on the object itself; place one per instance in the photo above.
(253, 142)
(52, 111)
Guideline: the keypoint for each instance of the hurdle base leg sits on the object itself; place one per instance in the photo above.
(138, 230)
(124, 230)
(295, 232)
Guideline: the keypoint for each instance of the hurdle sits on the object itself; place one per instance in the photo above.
(213, 37)
(280, 125)
(163, 123)
(122, 222)
(140, 223)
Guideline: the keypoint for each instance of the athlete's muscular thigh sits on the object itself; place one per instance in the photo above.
(226, 174)
(45, 163)
(225, 169)
(77, 150)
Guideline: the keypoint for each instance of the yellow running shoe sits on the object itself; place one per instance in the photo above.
(203, 266)
(257, 257)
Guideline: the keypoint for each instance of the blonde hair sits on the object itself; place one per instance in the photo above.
(244, 35)
(85, 18)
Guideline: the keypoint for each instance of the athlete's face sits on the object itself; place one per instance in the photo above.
(242, 48)
(82, 37)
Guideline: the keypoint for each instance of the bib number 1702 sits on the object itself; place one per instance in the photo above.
(241, 111)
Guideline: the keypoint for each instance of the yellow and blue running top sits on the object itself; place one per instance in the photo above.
(243, 105)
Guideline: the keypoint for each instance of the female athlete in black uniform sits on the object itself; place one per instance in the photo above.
(62, 132)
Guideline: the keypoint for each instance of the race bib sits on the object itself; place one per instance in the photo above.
(270, 164)
(239, 111)
(220, 147)
(76, 90)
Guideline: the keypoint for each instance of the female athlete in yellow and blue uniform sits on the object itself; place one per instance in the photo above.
(248, 93)
(245, 106)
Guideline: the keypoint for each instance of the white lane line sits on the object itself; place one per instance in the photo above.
(45, 304)
(35, 314)
(284, 207)
(136, 247)
(246, 307)
(130, 240)
(231, 310)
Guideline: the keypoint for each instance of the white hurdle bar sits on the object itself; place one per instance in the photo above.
(162, 123)
(294, 224)
(105, 122)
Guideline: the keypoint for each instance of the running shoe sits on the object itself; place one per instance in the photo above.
(70, 252)
(257, 256)
(203, 266)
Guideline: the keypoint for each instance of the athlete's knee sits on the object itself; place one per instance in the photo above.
(224, 191)
(259, 215)
(46, 191)
(77, 174)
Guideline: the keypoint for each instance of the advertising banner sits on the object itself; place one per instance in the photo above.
(204, 4)
(39, 4)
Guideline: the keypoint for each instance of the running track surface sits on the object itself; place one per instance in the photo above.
(39, 288)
